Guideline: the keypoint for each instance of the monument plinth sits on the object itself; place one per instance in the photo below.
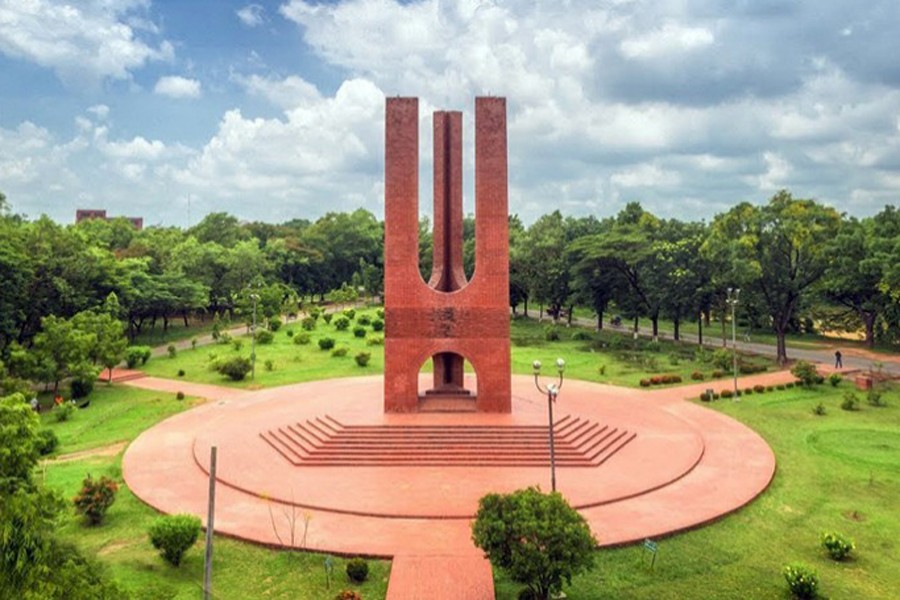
(449, 319)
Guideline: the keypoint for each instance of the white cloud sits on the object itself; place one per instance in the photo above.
(283, 93)
(670, 38)
(176, 86)
(101, 111)
(82, 42)
(251, 15)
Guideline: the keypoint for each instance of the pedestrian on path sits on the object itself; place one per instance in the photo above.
(838, 363)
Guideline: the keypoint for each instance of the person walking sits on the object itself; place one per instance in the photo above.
(838, 363)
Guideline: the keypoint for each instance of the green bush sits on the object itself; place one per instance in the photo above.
(873, 397)
(377, 325)
(364, 320)
(274, 323)
(551, 333)
(834, 379)
(380, 313)
(181, 372)
(342, 351)
(326, 343)
(172, 350)
(137, 354)
(805, 372)
(723, 359)
(46, 442)
(301, 339)
(269, 364)
(697, 376)
(308, 323)
(173, 535)
(359, 331)
(341, 323)
(179, 395)
(357, 570)
(838, 546)
(375, 340)
(95, 498)
(850, 401)
(235, 368)
(327, 317)
(362, 359)
(264, 336)
(194, 343)
(581, 335)
(819, 410)
(81, 387)
(759, 388)
(63, 412)
(653, 346)
(350, 313)
(727, 394)
(289, 332)
(802, 581)
(225, 338)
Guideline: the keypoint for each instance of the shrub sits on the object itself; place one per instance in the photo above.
(225, 338)
(179, 395)
(375, 340)
(63, 412)
(838, 546)
(348, 595)
(819, 410)
(697, 376)
(172, 350)
(759, 388)
(601, 370)
(802, 581)
(779, 387)
(81, 387)
(357, 570)
(362, 359)
(274, 324)
(551, 333)
(315, 312)
(193, 343)
(326, 343)
(235, 368)
(350, 313)
(770, 388)
(748, 391)
(873, 397)
(269, 364)
(341, 323)
(46, 441)
(380, 313)
(653, 346)
(327, 317)
(342, 351)
(308, 323)
(264, 337)
(819, 380)
(377, 325)
(834, 379)
(805, 372)
(705, 397)
(181, 372)
(137, 354)
(359, 331)
(173, 535)
(364, 320)
(237, 345)
(301, 339)
(581, 336)
(95, 498)
(655, 380)
(716, 374)
(645, 383)
(850, 401)
(727, 394)
(723, 359)
(289, 332)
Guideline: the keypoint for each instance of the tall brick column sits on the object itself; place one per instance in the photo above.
(447, 319)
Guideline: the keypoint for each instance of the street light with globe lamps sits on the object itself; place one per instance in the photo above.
(732, 299)
(552, 391)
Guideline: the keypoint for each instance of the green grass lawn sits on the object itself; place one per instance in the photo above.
(838, 472)
(605, 357)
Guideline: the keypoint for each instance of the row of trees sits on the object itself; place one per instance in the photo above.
(793, 258)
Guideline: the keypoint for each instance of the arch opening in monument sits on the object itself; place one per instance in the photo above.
(452, 377)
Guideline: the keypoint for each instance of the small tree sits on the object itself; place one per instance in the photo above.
(95, 498)
(537, 538)
(173, 535)
(805, 372)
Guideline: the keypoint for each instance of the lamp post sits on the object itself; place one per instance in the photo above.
(255, 297)
(732, 299)
(552, 391)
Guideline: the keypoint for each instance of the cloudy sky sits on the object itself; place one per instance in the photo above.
(170, 109)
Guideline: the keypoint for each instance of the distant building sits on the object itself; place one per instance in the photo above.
(83, 214)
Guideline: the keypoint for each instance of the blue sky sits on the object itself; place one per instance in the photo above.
(274, 110)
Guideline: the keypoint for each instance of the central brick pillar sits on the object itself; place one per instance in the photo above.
(447, 319)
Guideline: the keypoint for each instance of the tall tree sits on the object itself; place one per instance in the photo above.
(780, 249)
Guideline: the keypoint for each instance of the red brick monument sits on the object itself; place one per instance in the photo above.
(447, 319)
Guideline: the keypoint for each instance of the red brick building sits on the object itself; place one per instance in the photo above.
(82, 214)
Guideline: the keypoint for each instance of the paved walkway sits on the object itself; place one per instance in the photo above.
(686, 465)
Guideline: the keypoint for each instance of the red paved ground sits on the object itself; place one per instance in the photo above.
(685, 466)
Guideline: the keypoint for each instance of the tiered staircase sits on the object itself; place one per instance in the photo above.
(324, 441)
